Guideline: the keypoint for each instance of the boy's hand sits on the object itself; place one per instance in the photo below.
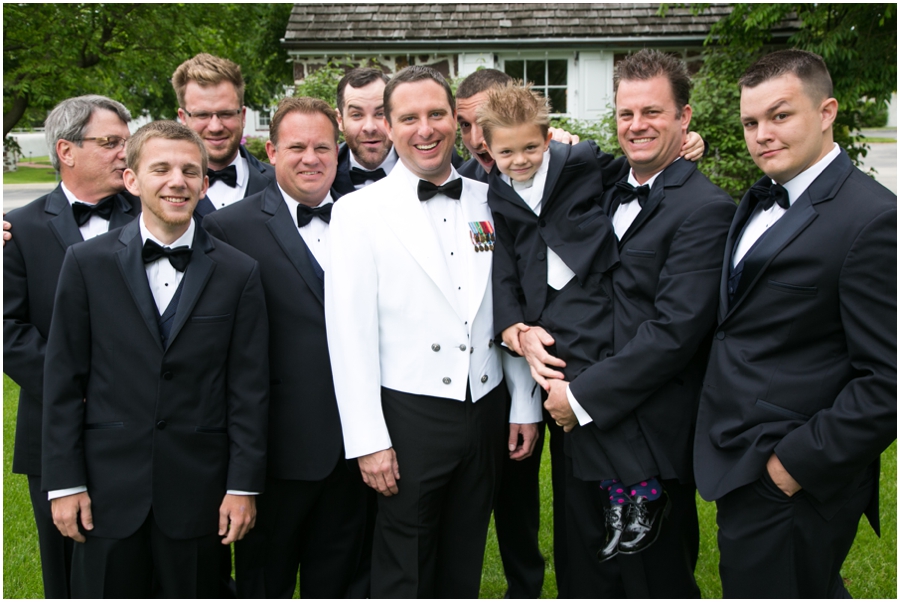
(693, 147)
(511, 337)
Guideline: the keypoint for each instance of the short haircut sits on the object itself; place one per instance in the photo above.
(167, 130)
(481, 80)
(412, 74)
(358, 78)
(305, 105)
(513, 105)
(807, 66)
(647, 64)
(69, 119)
(207, 70)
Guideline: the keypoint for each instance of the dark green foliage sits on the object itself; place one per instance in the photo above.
(256, 145)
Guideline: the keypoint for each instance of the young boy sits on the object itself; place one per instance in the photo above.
(554, 245)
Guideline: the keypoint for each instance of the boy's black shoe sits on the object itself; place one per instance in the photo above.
(615, 524)
(643, 523)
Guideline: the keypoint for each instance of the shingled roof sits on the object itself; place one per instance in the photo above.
(352, 24)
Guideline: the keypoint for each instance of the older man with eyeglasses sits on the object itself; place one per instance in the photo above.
(210, 93)
(86, 136)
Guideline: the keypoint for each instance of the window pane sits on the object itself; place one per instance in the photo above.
(515, 69)
(558, 100)
(558, 72)
(535, 72)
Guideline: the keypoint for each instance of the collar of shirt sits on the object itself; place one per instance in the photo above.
(801, 181)
(292, 207)
(387, 165)
(535, 197)
(221, 194)
(71, 197)
(186, 239)
(94, 226)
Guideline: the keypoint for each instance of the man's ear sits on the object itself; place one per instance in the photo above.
(65, 152)
(828, 111)
(130, 179)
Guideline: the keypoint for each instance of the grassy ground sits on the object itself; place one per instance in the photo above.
(870, 570)
(30, 175)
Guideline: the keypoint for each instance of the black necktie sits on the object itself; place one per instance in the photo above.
(179, 257)
(361, 176)
(305, 214)
(228, 176)
(771, 195)
(452, 189)
(84, 211)
(641, 193)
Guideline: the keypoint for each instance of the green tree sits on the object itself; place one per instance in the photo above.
(129, 52)
(857, 41)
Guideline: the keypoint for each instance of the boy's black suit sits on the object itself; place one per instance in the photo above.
(44, 229)
(309, 481)
(803, 364)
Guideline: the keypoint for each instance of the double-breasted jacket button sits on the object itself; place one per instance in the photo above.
(720, 335)
(462, 347)
(484, 378)
(161, 424)
(435, 347)
(446, 380)
(167, 376)
(490, 343)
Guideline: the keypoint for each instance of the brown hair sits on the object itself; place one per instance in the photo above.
(481, 80)
(412, 74)
(167, 130)
(513, 105)
(207, 70)
(358, 78)
(807, 66)
(647, 64)
(305, 105)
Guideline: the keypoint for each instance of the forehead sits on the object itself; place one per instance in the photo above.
(421, 95)
(371, 92)
(314, 127)
(784, 88)
(636, 93)
(158, 149)
(104, 122)
(220, 96)
(521, 133)
(467, 107)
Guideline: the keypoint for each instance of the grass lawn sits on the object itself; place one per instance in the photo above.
(30, 175)
(870, 570)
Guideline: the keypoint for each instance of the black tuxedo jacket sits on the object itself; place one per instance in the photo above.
(472, 169)
(803, 363)
(146, 426)
(665, 292)
(43, 229)
(571, 222)
(260, 176)
(305, 440)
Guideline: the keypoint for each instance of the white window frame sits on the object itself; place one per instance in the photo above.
(571, 74)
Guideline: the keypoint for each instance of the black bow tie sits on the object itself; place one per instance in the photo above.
(179, 257)
(641, 193)
(452, 189)
(84, 211)
(361, 176)
(228, 176)
(305, 214)
(776, 194)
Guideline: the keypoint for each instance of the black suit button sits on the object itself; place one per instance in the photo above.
(167, 376)
(543, 223)
(161, 424)
(720, 335)
(541, 256)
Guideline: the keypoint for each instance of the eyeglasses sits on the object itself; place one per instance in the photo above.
(107, 142)
(207, 115)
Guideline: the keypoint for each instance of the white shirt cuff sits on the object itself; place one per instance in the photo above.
(235, 492)
(583, 417)
(52, 495)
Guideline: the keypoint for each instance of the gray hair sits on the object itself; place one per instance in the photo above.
(69, 119)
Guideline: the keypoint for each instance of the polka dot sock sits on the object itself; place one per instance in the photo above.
(649, 489)
(617, 492)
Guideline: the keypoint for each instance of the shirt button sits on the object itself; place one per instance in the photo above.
(462, 347)
(435, 347)
(720, 335)
(161, 424)
(446, 380)
(484, 378)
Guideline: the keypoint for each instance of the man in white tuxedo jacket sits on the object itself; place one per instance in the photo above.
(417, 376)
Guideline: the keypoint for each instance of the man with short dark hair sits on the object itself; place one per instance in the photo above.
(155, 388)
(312, 515)
(87, 137)
(800, 397)
(409, 313)
(210, 93)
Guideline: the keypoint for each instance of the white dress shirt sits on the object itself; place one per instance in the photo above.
(761, 220)
(532, 192)
(387, 165)
(315, 233)
(221, 194)
(95, 226)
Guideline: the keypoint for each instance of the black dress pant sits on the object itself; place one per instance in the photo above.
(314, 527)
(664, 570)
(56, 550)
(775, 546)
(430, 537)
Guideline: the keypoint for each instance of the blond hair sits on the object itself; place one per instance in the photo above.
(512, 105)
(207, 70)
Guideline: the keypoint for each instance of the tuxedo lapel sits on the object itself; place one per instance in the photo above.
(63, 223)
(507, 193)
(196, 276)
(745, 208)
(288, 238)
(342, 182)
(124, 212)
(559, 154)
(203, 208)
(131, 265)
(257, 181)
(673, 176)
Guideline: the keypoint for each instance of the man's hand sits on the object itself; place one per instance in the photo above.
(781, 477)
(558, 405)
(564, 136)
(533, 343)
(237, 515)
(380, 471)
(7, 235)
(529, 434)
(65, 511)
(693, 147)
(511, 336)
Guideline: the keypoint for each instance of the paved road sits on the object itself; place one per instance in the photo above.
(16, 195)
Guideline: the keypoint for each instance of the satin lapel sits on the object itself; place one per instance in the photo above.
(63, 225)
(288, 238)
(203, 208)
(559, 154)
(657, 194)
(125, 212)
(195, 278)
(257, 181)
(131, 265)
(476, 209)
(506, 192)
(737, 225)
(794, 221)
